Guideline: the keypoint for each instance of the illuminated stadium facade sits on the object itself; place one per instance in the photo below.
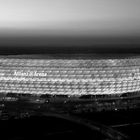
(70, 76)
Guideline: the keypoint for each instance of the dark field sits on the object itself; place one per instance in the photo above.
(54, 127)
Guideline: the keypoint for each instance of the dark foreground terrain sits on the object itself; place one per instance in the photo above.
(127, 123)
(24, 119)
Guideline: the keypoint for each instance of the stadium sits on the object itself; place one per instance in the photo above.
(75, 76)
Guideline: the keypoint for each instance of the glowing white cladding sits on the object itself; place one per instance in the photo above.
(69, 76)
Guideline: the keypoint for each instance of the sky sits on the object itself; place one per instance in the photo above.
(90, 18)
